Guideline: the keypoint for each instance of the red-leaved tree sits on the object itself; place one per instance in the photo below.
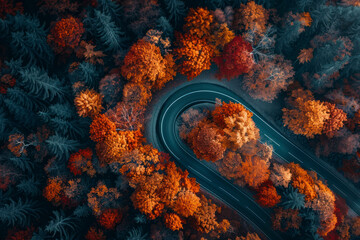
(236, 59)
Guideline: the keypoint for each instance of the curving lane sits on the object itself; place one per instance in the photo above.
(241, 200)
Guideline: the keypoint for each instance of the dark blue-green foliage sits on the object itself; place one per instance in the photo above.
(4, 123)
(87, 73)
(40, 85)
(27, 39)
(29, 187)
(306, 5)
(20, 212)
(19, 96)
(61, 147)
(23, 163)
(310, 221)
(82, 211)
(164, 26)
(62, 225)
(176, 10)
(136, 234)
(323, 63)
(110, 36)
(63, 119)
(287, 36)
(110, 8)
(23, 117)
(291, 198)
(40, 235)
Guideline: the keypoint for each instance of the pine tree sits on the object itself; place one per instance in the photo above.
(61, 225)
(19, 212)
(105, 30)
(293, 199)
(40, 85)
(61, 147)
(176, 9)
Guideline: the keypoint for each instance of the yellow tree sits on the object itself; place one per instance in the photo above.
(308, 119)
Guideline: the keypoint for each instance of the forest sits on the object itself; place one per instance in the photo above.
(79, 81)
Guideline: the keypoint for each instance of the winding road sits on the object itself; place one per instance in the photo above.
(239, 199)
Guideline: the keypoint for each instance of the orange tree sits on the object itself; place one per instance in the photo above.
(308, 119)
(145, 65)
(198, 22)
(251, 17)
(66, 34)
(193, 55)
(206, 141)
(267, 195)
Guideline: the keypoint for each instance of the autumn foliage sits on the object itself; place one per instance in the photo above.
(193, 55)
(95, 234)
(110, 218)
(268, 77)
(236, 123)
(336, 120)
(145, 65)
(221, 36)
(211, 147)
(88, 103)
(6, 81)
(100, 127)
(173, 221)
(285, 219)
(198, 22)
(236, 59)
(251, 16)
(80, 162)
(204, 219)
(308, 119)
(267, 195)
(100, 198)
(66, 34)
(302, 181)
(9, 7)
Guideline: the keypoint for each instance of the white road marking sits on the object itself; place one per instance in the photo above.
(255, 214)
(229, 194)
(272, 140)
(328, 169)
(280, 156)
(295, 157)
(163, 138)
(339, 190)
(199, 173)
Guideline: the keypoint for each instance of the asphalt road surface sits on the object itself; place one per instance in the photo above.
(240, 199)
